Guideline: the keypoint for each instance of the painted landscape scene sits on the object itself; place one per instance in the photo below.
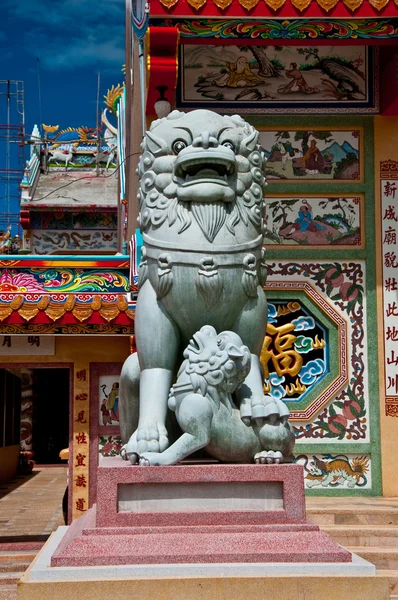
(317, 154)
(310, 221)
(275, 75)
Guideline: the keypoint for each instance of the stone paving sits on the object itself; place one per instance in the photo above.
(31, 505)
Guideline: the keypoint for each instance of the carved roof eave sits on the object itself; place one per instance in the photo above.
(65, 294)
(67, 309)
(280, 9)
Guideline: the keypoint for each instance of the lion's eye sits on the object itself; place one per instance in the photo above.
(219, 342)
(178, 146)
(229, 145)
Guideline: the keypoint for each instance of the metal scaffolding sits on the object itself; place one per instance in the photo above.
(12, 146)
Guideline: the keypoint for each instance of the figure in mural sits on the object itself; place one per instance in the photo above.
(304, 221)
(111, 402)
(239, 74)
(313, 161)
(288, 152)
(106, 415)
(298, 83)
(201, 212)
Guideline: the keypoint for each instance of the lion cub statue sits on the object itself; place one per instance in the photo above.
(202, 272)
(203, 400)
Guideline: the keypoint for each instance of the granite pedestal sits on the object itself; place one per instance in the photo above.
(189, 528)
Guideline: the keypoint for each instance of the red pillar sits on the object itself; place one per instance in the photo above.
(389, 81)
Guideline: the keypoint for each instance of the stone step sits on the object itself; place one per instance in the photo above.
(383, 558)
(368, 536)
(10, 578)
(8, 592)
(19, 556)
(9, 567)
(393, 577)
(344, 516)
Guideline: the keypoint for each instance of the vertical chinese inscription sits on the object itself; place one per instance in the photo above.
(389, 216)
(80, 468)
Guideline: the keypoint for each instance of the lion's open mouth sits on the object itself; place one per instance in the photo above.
(194, 344)
(200, 170)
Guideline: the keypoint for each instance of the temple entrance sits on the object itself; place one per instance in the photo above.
(50, 414)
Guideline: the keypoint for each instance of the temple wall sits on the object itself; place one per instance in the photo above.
(386, 143)
(92, 361)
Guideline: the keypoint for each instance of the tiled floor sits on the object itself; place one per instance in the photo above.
(32, 505)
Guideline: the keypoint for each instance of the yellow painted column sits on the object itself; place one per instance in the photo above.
(79, 467)
(386, 172)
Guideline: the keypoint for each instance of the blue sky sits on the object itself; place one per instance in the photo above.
(74, 40)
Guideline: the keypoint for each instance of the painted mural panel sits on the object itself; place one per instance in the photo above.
(108, 395)
(48, 241)
(347, 471)
(302, 78)
(319, 154)
(314, 221)
(73, 220)
(339, 413)
(389, 212)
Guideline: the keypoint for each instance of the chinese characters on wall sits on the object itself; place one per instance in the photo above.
(389, 215)
(80, 470)
(12, 345)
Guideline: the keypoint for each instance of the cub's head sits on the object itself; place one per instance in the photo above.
(201, 158)
(216, 360)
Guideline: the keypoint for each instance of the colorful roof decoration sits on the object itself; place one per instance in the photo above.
(61, 294)
(278, 8)
(264, 30)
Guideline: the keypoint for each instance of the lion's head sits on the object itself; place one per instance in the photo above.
(216, 362)
(203, 166)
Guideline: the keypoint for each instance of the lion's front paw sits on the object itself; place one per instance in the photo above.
(136, 459)
(268, 457)
(147, 459)
(152, 437)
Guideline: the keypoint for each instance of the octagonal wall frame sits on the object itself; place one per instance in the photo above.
(337, 329)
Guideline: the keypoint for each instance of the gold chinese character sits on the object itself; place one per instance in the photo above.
(278, 348)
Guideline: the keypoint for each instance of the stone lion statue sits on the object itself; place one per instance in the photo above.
(201, 216)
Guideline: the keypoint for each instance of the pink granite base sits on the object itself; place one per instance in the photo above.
(113, 472)
(150, 534)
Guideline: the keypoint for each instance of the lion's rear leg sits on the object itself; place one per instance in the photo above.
(129, 390)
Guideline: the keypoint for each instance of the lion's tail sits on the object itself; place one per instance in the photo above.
(360, 465)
